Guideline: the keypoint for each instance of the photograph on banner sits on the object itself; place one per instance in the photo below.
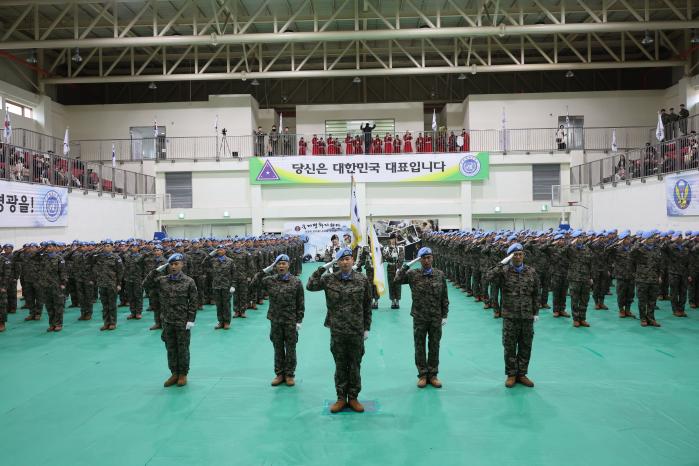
(408, 232)
(682, 195)
(32, 205)
(319, 234)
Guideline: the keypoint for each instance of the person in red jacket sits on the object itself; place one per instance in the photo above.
(388, 144)
(349, 149)
(467, 141)
(396, 144)
(428, 143)
(315, 148)
(452, 142)
(420, 143)
(302, 146)
(408, 143)
(377, 149)
(321, 146)
(358, 145)
(331, 145)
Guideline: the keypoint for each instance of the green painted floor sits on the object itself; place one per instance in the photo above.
(613, 394)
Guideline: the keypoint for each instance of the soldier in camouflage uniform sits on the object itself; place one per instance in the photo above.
(520, 309)
(84, 284)
(677, 257)
(348, 298)
(393, 255)
(600, 269)
(428, 287)
(53, 279)
(620, 254)
(72, 287)
(693, 287)
(242, 262)
(5, 273)
(579, 278)
(31, 267)
(122, 250)
(648, 267)
(133, 280)
(286, 309)
(368, 265)
(178, 298)
(108, 274)
(559, 275)
(196, 257)
(7, 252)
(151, 262)
(223, 273)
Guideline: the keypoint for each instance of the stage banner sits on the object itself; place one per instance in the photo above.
(318, 233)
(682, 195)
(415, 168)
(32, 205)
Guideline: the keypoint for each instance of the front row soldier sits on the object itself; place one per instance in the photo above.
(179, 301)
(348, 298)
(108, 273)
(53, 278)
(520, 309)
(286, 309)
(430, 308)
(223, 276)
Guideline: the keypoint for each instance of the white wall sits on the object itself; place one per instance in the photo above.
(90, 218)
(236, 114)
(541, 110)
(310, 119)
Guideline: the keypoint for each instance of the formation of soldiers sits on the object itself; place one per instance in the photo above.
(647, 266)
(55, 275)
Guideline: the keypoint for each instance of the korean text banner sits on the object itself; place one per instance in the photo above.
(682, 194)
(420, 168)
(32, 205)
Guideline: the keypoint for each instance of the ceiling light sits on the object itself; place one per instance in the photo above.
(152, 86)
(226, 214)
(569, 74)
(214, 39)
(180, 215)
(357, 80)
(76, 56)
(31, 59)
(243, 75)
(497, 208)
(647, 39)
(254, 82)
(462, 76)
(473, 69)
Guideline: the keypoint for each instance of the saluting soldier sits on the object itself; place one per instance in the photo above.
(394, 256)
(108, 273)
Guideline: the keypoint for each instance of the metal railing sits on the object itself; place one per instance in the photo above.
(679, 154)
(33, 140)
(21, 164)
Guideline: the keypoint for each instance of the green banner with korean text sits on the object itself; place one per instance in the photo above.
(415, 168)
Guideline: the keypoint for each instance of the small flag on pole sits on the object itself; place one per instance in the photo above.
(113, 157)
(7, 127)
(377, 261)
(434, 119)
(66, 143)
(355, 219)
(280, 122)
(660, 129)
(504, 130)
(614, 145)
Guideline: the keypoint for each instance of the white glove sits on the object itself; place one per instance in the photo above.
(213, 253)
(268, 269)
(536, 318)
(354, 267)
(189, 325)
(507, 259)
(366, 334)
(409, 264)
(329, 265)
(232, 290)
(298, 326)
(162, 267)
(444, 322)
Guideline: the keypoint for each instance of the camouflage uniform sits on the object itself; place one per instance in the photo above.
(623, 271)
(286, 309)
(394, 257)
(178, 298)
(677, 258)
(31, 267)
(223, 275)
(195, 269)
(349, 316)
(520, 303)
(13, 258)
(242, 268)
(84, 284)
(579, 276)
(108, 273)
(430, 306)
(5, 273)
(600, 271)
(53, 279)
(133, 280)
(693, 291)
(646, 261)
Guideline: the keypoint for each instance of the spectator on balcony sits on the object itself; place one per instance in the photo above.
(315, 147)
(274, 141)
(620, 169)
(396, 144)
(408, 143)
(331, 144)
(302, 146)
(665, 120)
(367, 136)
(259, 136)
(650, 160)
(420, 143)
(357, 143)
(673, 123)
(388, 143)
(287, 142)
(428, 143)
(466, 146)
(452, 142)
(561, 137)
(693, 161)
(349, 146)
(376, 146)
(683, 116)
(321, 146)
(441, 140)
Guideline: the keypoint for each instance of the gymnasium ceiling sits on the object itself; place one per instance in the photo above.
(290, 52)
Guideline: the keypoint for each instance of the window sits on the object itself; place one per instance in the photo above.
(179, 186)
(337, 127)
(545, 176)
(19, 109)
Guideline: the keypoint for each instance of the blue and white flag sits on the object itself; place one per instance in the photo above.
(504, 131)
(377, 261)
(7, 127)
(614, 145)
(113, 157)
(434, 119)
(66, 144)
(355, 219)
(660, 129)
(155, 128)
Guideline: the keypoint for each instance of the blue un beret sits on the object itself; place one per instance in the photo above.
(175, 257)
(342, 253)
(281, 257)
(424, 252)
(515, 247)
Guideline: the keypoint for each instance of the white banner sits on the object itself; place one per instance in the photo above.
(682, 195)
(32, 205)
(318, 234)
